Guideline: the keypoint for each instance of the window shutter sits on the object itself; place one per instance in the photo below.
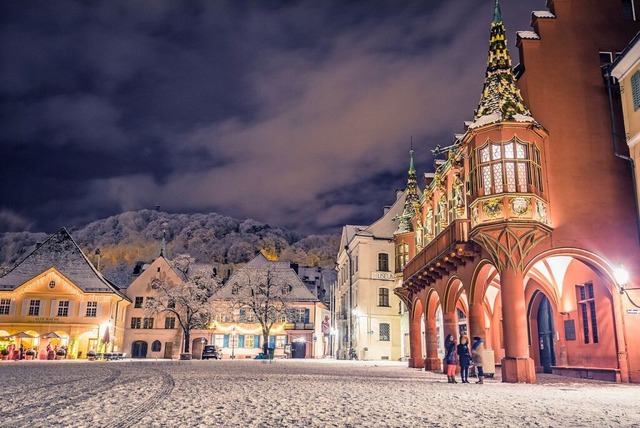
(12, 307)
(83, 309)
(54, 307)
(256, 341)
(272, 341)
(25, 307)
(241, 341)
(99, 309)
(41, 308)
(72, 306)
(226, 341)
(306, 316)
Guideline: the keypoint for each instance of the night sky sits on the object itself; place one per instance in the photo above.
(294, 113)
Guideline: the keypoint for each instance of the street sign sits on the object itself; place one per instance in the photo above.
(633, 311)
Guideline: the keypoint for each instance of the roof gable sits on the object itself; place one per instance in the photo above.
(61, 252)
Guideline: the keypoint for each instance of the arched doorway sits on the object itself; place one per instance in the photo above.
(546, 333)
(197, 345)
(139, 349)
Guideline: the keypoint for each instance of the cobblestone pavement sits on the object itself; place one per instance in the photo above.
(297, 393)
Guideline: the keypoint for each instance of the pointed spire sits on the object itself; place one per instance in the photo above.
(163, 245)
(411, 199)
(501, 100)
(497, 15)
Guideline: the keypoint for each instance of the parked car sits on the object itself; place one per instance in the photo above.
(211, 351)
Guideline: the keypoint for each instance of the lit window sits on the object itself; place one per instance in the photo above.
(63, 308)
(280, 341)
(506, 167)
(402, 255)
(248, 340)
(219, 340)
(34, 307)
(385, 332)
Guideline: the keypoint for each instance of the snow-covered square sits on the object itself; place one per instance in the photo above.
(297, 393)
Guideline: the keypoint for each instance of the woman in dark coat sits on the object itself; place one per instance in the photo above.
(450, 358)
(464, 357)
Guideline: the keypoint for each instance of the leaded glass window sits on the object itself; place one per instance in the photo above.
(511, 176)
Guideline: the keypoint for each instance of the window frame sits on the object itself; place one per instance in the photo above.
(63, 308)
(139, 301)
(381, 330)
(92, 309)
(383, 262)
(5, 306)
(383, 297)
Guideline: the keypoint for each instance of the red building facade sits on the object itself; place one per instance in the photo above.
(525, 225)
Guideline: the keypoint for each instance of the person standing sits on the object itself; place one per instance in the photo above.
(477, 350)
(450, 358)
(464, 357)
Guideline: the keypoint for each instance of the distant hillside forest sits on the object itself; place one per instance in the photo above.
(135, 236)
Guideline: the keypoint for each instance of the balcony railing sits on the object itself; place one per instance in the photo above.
(456, 233)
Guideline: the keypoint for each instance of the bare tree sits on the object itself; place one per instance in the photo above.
(263, 295)
(190, 300)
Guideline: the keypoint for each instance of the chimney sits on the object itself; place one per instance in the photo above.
(96, 259)
(399, 193)
(386, 209)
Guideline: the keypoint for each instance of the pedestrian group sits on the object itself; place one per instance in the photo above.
(461, 354)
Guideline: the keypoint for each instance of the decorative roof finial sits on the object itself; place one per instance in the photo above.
(163, 245)
(501, 100)
(497, 15)
(411, 199)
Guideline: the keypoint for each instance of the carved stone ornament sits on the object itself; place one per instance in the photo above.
(492, 208)
(520, 206)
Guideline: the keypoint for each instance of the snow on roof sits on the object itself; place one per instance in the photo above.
(530, 35)
(61, 253)
(543, 14)
(495, 117)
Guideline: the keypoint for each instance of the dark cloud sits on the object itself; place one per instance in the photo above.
(295, 113)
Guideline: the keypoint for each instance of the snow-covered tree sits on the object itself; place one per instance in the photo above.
(261, 295)
(191, 300)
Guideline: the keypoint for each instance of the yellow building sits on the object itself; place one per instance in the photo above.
(56, 298)
(626, 69)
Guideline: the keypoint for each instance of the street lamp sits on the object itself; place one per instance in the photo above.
(621, 276)
(233, 343)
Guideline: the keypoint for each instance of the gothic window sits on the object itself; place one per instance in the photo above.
(511, 166)
(402, 255)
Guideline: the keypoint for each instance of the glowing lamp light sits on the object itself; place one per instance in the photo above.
(621, 276)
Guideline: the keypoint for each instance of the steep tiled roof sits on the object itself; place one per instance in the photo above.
(501, 100)
(61, 253)
(258, 269)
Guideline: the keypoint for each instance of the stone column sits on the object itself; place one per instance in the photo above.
(517, 366)
(415, 344)
(432, 361)
(477, 326)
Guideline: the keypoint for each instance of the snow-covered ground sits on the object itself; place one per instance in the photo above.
(297, 393)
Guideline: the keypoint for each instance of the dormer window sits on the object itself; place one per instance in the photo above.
(510, 166)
